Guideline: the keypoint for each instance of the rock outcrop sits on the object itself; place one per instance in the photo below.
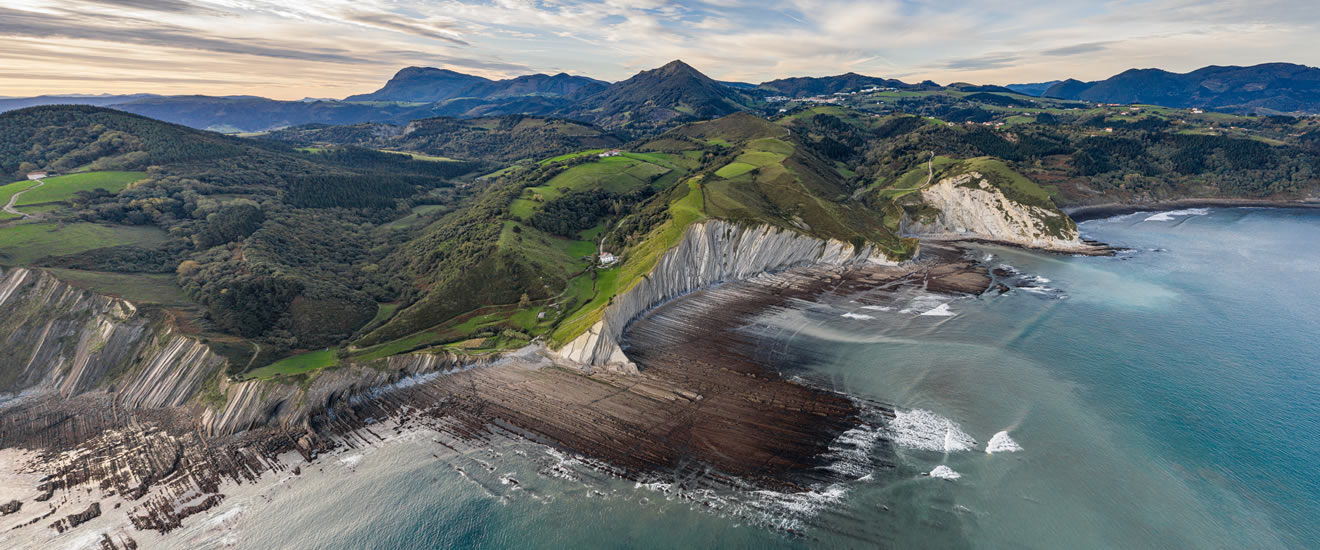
(968, 206)
(712, 251)
(255, 403)
(56, 337)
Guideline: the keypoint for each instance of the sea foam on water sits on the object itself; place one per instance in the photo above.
(925, 430)
(1002, 443)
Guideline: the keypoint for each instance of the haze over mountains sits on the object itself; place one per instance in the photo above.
(678, 93)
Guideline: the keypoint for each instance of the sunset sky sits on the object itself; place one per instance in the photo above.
(334, 48)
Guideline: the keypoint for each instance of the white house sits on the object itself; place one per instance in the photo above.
(610, 153)
(37, 175)
(607, 259)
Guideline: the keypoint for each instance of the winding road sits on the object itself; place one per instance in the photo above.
(9, 208)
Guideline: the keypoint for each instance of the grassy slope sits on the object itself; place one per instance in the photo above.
(27, 243)
(297, 364)
(62, 188)
(139, 288)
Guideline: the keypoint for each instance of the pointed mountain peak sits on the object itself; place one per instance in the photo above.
(677, 67)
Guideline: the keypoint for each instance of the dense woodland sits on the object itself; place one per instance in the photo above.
(277, 245)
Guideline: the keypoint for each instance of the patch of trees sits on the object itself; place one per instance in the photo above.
(567, 215)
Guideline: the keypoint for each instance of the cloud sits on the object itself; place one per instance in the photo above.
(439, 30)
(1075, 49)
(175, 6)
(983, 62)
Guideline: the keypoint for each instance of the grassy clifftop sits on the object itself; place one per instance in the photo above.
(525, 260)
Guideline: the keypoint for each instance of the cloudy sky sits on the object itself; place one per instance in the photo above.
(291, 49)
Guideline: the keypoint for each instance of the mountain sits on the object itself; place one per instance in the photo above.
(429, 85)
(1033, 89)
(673, 93)
(11, 103)
(254, 114)
(810, 86)
(1268, 88)
(506, 138)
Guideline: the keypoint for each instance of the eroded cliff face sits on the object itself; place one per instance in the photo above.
(55, 337)
(711, 252)
(257, 403)
(968, 206)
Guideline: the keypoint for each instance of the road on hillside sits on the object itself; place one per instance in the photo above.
(14, 200)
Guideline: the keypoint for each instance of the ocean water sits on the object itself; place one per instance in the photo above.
(1165, 398)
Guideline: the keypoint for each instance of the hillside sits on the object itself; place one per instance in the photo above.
(813, 86)
(523, 262)
(659, 98)
(1266, 89)
(269, 245)
(503, 139)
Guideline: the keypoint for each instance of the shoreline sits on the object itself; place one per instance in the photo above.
(1111, 209)
(696, 412)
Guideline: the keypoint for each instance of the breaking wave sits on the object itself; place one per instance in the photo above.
(927, 431)
(944, 472)
(1170, 215)
(857, 316)
(941, 310)
(1002, 443)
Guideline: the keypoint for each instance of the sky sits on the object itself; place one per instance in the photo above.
(290, 49)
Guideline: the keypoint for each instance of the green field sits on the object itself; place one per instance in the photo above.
(62, 188)
(26, 243)
(734, 169)
(139, 288)
(298, 364)
(622, 174)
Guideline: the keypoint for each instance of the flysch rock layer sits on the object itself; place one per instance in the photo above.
(971, 208)
(711, 252)
(56, 337)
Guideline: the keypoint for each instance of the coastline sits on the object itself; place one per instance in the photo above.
(1110, 209)
(698, 413)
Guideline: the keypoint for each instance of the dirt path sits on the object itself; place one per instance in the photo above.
(9, 208)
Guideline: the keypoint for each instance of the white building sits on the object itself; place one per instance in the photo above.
(37, 175)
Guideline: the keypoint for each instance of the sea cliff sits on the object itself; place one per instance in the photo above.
(710, 252)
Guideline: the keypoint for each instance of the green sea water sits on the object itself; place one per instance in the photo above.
(1168, 397)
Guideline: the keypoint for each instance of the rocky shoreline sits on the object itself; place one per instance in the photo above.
(704, 406)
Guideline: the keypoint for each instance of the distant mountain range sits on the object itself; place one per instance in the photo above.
(677, 93)
(430, 85)
(1269, 88)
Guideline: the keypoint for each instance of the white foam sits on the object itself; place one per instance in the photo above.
(945, 472)
(351, 460)
(1168, 216)
(925, 430)
(878, 308)
(1002, 443)
(857, 316)
(850, 453)
(940, 311)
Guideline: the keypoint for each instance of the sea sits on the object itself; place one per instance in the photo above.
(1166, 397)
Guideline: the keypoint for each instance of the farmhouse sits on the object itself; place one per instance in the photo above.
(37, 175)
(610, 153)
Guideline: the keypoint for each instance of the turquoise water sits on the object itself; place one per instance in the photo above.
(1165, 398)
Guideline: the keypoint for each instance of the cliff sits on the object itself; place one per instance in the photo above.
(973, 206)
(68, 341)
(55, 337)
(710, 252)
(256, 403)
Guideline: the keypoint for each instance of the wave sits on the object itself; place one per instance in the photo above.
(927, 431)
(878, 308)
(1170, 215)
(1002, 443)
(944, 472)
(941, 310)
(857, 316)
